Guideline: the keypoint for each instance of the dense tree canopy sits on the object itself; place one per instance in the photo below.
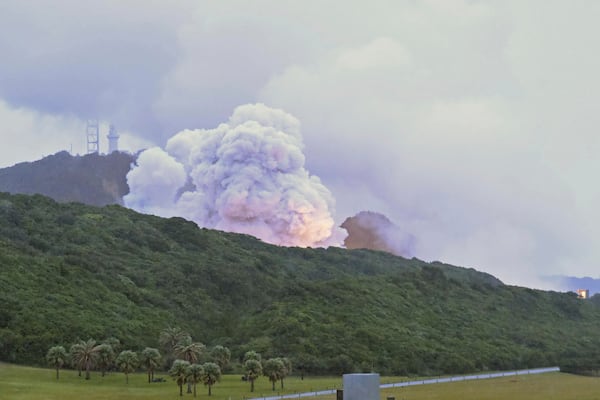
(111, 272)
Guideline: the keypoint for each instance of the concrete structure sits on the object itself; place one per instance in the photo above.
(113, 139)
(93, 133)
(361, 386)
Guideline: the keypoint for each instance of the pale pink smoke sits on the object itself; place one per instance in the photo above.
(246, 176)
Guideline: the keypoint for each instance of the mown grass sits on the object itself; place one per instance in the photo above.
(25, 383)
(550, 386)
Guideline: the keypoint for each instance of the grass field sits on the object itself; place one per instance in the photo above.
(24, 383)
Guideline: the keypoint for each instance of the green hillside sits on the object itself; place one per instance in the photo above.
(70, 271)
(91, 179)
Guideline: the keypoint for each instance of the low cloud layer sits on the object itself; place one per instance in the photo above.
(246, 175)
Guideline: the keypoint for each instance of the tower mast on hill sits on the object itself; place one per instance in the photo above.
(113, 139)
(92, 133)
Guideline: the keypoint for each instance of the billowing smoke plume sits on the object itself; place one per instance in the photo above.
(369, 230)
(246, 176)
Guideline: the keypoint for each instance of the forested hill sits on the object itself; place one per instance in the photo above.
(70, 271)
(91, 179)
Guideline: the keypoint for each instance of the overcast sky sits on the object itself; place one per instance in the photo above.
(470, 124)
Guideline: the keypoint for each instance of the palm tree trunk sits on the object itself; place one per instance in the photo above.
(87, 371)
(149, 376)
(282, 383)
(209, 390)
(57, 372)
(181, 390)
(252, 385)
(273, 384)
(194, 390)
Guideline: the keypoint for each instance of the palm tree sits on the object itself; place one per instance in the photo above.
(211, 375)
(194, 375)
(170, 337)
(287, 364)
(150, 359)
(127, 361)
(105, 357)
(221, 355)
(179, 372)
(56, 356)
(84, 355)
(190, 352)
(273, 369)
(251, 355)
(253, 370)
(73, 351)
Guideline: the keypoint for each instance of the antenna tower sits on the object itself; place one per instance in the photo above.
(92, 133)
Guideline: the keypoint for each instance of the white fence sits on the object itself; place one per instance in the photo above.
(420, 382)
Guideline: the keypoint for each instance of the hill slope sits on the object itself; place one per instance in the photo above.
(91, 179)
(71, 271)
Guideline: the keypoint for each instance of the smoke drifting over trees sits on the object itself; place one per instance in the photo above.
(370, 230)
(246, 175)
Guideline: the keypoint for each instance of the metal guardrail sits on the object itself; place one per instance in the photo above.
(459, 378)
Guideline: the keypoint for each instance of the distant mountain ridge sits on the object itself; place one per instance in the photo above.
(90, 179)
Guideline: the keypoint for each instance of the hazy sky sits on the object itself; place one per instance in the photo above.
(471, 124)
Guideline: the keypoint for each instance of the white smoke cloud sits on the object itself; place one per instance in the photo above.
(246, 176)
(154, 183)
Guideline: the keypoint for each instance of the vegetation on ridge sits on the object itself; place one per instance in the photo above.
(90, 179)
(70, 272)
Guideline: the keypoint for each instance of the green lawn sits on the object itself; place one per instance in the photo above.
(25, 383)
(555, 385)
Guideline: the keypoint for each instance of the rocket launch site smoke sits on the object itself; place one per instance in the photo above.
(246, 176)
(461, 142)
